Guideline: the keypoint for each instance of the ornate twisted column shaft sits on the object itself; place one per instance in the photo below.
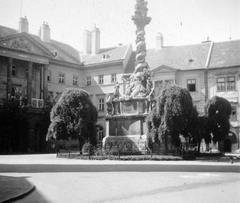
(140, 20)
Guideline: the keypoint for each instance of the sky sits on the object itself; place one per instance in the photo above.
(181, 22)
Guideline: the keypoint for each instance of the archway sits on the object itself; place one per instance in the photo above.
(227, 145)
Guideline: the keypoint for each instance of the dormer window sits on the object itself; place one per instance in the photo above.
(55, 53)
(105, 56)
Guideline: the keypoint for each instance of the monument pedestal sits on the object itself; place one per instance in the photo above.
(126, 127)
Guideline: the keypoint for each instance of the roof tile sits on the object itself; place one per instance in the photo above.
(188, 57)
(110, 54)
(225, 54)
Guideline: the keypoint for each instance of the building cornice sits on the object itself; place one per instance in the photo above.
(224, 67)
(25, 52)
(23, 55)
(65, 64)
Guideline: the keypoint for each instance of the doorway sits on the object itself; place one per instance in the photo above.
(227, 145)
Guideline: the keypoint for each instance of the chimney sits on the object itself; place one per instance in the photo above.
(39, 32)
(23, 25)
(95, 40)
(45, 32)
(87, 42)
(159, 41)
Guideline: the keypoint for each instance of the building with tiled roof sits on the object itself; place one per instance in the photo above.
(42, 68)
(206, 69)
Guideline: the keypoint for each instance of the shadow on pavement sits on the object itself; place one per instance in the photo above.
(12, 188)
(34, 196)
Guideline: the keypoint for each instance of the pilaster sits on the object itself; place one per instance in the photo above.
(29, 83)
(45, 82)
(9, 78)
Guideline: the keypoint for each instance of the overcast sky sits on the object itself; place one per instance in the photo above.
(180, 21)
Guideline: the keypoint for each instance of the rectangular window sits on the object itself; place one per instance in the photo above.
(168, 81)
(61, 78)
(221, 84)
(113, 78)
(49, 76)
(14, 70)
(191, 85)
(26, 72)
(100, 79)
(89, 80)
(231, 83)
(75, 80)
(101, 104)
(158, 83)
(233, 115)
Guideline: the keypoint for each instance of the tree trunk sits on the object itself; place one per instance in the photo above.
(118, 154)
(80, 146)
(166, 144)
(199, 145)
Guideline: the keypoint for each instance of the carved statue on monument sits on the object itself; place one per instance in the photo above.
(116, 92)
(109, 104)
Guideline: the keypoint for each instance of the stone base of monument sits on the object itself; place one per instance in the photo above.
(126, 127)
(127, 145)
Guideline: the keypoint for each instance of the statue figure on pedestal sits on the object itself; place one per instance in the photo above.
(109, 104)
(116, 94)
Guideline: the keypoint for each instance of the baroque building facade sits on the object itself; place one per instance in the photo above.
(42, 68)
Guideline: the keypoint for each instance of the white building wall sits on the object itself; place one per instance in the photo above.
(55, 88)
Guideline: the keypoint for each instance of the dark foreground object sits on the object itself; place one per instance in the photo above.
(13, 188)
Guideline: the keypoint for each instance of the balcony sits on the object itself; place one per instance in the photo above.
(37, 103)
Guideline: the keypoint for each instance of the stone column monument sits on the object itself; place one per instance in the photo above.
(125, 120)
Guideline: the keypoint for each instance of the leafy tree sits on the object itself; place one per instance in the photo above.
(173, 115)
(153, 121)
(217, 111)
(44, 122)
(73, 116)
